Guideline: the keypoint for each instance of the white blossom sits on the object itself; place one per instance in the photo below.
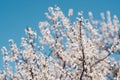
(76, 50)
(70, 13)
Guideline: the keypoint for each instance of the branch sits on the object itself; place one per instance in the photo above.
(31, 73)
(102, 59)
(109, 53)
(83, 54)
(115, 71)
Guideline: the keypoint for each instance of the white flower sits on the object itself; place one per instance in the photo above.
(70, 13)
(73, 49)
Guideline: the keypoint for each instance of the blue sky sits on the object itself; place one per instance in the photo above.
(15, 15)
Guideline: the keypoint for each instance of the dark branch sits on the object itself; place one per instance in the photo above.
(83, 54)
(32, 73)
(100, 60)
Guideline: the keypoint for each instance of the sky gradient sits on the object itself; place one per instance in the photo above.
(15, 15)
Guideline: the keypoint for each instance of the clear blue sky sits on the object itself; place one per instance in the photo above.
(15, 15)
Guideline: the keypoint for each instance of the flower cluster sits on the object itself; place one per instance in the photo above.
(79, 50)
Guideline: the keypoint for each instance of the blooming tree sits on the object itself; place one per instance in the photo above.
(76, 50)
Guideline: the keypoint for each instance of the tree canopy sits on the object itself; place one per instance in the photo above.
(78, 50)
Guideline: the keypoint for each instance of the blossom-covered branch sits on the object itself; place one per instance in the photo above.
(65, 49)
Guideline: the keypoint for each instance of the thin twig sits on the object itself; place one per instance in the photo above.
(83, 54)
(102, 59)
